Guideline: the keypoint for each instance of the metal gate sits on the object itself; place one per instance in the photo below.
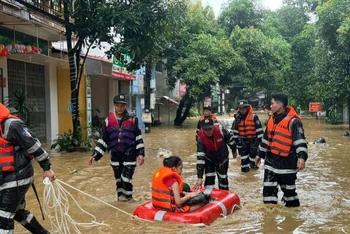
(29, 79)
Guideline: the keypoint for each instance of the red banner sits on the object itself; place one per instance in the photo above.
(315, 107)
(123, 75)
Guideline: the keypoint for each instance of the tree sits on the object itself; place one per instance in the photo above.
(267, 60)
(334, 42)
(302, 73)
(197, 21)
(242, 13)
(289, 21)
(199, 56)
(145, 41)
(196, 71)
(142, 26)
(292, 22)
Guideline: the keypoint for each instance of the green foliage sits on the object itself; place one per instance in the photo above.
(333, 116)
(201, 56)
(289, 21)
(333, 53)
(196, 69)
(146, 29)
(267, 60)
(193, 113)
(302, 74)
(241, 13)
(24, 106)
(89, 143)
(142, 28)
(65, 142)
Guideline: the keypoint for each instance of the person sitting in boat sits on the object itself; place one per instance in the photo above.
(167, 188)
(212, 154)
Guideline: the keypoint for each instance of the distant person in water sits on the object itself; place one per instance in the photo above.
(320, 140)
(207, 113)
(168, 188)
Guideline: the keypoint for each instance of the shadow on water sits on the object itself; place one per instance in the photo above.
(322, 187)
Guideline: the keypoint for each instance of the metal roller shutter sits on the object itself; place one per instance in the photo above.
(30, 78)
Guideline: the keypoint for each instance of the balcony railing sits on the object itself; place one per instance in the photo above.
(54, 7)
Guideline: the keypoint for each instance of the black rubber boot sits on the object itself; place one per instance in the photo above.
(34, 226)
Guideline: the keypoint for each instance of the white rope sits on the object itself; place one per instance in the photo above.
(114, 207)
(56, 207)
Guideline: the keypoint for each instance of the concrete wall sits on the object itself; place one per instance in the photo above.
(345, 115)
(3, 65)
(51, 102)
(99, 96)
(63, 86)
(113, 90)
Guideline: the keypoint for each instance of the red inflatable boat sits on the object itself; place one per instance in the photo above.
(224, 204)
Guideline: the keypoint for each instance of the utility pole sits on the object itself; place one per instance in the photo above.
(147, 96)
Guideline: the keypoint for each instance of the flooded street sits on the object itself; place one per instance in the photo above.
(323, 187)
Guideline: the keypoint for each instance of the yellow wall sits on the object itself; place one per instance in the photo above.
(63, 86)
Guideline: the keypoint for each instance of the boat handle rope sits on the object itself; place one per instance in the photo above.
(55, 195)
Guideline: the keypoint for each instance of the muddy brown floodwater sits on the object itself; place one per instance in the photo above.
(323, 187)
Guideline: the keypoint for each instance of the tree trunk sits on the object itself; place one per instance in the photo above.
(348, 103)
(181, 117)
(73, 59)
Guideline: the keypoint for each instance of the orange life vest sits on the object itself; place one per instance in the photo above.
(247, 128)
(7, 151)
(279, 135)
(212, 116)
(162, 196)
(7, 154)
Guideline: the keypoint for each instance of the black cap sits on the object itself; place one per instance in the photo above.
(281, 97)
(206, 107)
(119, 99)
(207, 123)
(243, 103)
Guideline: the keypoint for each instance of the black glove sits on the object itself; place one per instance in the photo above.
(240, 143)
(200, 198)
(256, 142)
(97, 155)
(238, 117)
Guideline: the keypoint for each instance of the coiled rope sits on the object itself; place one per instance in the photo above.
(56, 207)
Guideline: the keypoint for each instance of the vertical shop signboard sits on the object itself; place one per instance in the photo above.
(88, 105)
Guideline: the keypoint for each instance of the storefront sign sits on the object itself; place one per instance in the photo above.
(119, 70)
(147, 117)
(315, 107)
(88, 105)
